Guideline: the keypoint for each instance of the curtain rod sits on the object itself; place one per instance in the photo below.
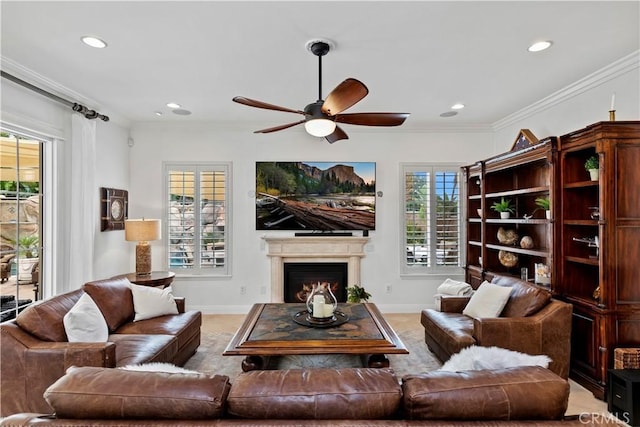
(79, 108)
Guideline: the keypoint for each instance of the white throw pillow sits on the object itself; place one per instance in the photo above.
(158, 367)
(478, 358)
(85, 322)
(487, 301)
(149, 302)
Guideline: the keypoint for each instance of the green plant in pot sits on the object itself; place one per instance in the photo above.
(28, 246)
(545, 204)
(504, 207)
(357, 293)
(592, 166)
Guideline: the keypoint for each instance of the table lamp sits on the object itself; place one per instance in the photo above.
(142, 231)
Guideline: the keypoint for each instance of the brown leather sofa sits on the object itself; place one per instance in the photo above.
(531, 322)
(524, 396)
(36, 352)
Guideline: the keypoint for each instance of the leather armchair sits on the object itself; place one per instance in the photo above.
(530, 323)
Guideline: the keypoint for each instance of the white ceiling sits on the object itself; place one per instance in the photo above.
(418, 57)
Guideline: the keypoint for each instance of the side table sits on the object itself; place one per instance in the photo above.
(155, 279)
(623, 395)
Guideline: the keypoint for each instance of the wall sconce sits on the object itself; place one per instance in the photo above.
(142, 231)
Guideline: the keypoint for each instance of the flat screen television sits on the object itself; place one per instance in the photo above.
(316, 196)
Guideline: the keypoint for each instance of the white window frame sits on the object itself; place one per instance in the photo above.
(196, 168)
(434, 269)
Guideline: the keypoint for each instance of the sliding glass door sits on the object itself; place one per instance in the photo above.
(21, 201)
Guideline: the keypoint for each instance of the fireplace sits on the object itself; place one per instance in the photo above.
(299, 278)
(313, 250)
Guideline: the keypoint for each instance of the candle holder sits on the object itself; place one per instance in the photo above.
(321, 303)
(612, 115)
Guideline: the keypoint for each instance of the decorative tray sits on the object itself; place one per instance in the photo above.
(304, 318)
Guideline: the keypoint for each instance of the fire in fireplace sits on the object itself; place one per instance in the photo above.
(300, 277)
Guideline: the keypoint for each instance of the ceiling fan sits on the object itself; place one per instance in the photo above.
(320, 117)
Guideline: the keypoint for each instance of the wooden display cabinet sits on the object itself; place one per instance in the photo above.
(598, 246)
(475, 208)
(522, 176)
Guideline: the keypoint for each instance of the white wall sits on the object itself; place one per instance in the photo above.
(250, 265)
(112, 254)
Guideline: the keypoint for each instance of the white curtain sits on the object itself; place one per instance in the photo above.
(83, 202)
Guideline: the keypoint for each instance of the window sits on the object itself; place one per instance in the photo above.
(20, 212)
(198, 218)
(432, 227)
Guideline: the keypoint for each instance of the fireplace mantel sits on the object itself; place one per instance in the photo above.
(313, 249)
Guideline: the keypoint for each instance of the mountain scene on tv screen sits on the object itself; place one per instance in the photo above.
(315, 196)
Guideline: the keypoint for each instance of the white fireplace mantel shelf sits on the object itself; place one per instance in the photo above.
(309, 249)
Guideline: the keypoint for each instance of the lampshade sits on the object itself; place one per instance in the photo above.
(141, 230)
(320, 127)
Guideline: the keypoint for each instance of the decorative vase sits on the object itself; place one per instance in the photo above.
(505, 215)
(479, 212)
(594, 174)
(321, 302)
(547, 214)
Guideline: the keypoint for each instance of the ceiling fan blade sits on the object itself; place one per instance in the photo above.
(277, 128)
(344, 96)
(337, 135)
(260, 104)
(372, 119)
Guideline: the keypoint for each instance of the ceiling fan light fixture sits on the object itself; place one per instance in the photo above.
(320, 127)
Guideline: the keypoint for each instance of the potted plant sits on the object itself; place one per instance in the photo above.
(357, 293)
(503, 207)
(591, 165)
(544, 203)
(28, 256)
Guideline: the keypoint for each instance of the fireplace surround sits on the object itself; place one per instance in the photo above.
(311, 249)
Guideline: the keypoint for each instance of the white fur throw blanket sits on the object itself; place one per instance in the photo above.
(158, 367)
(476, 358)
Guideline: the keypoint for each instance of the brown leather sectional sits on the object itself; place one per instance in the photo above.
(524, 396)
(531, 322)
(36, 352)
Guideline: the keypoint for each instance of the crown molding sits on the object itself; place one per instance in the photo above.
(30, 76)
(611, 71)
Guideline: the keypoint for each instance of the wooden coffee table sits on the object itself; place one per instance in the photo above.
(269, 330)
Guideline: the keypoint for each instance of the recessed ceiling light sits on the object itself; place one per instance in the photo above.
(181, 112)
(158, 113)
(94, 42)
(449, 114)
(173, 105)
(538, 46)
(457, 106)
